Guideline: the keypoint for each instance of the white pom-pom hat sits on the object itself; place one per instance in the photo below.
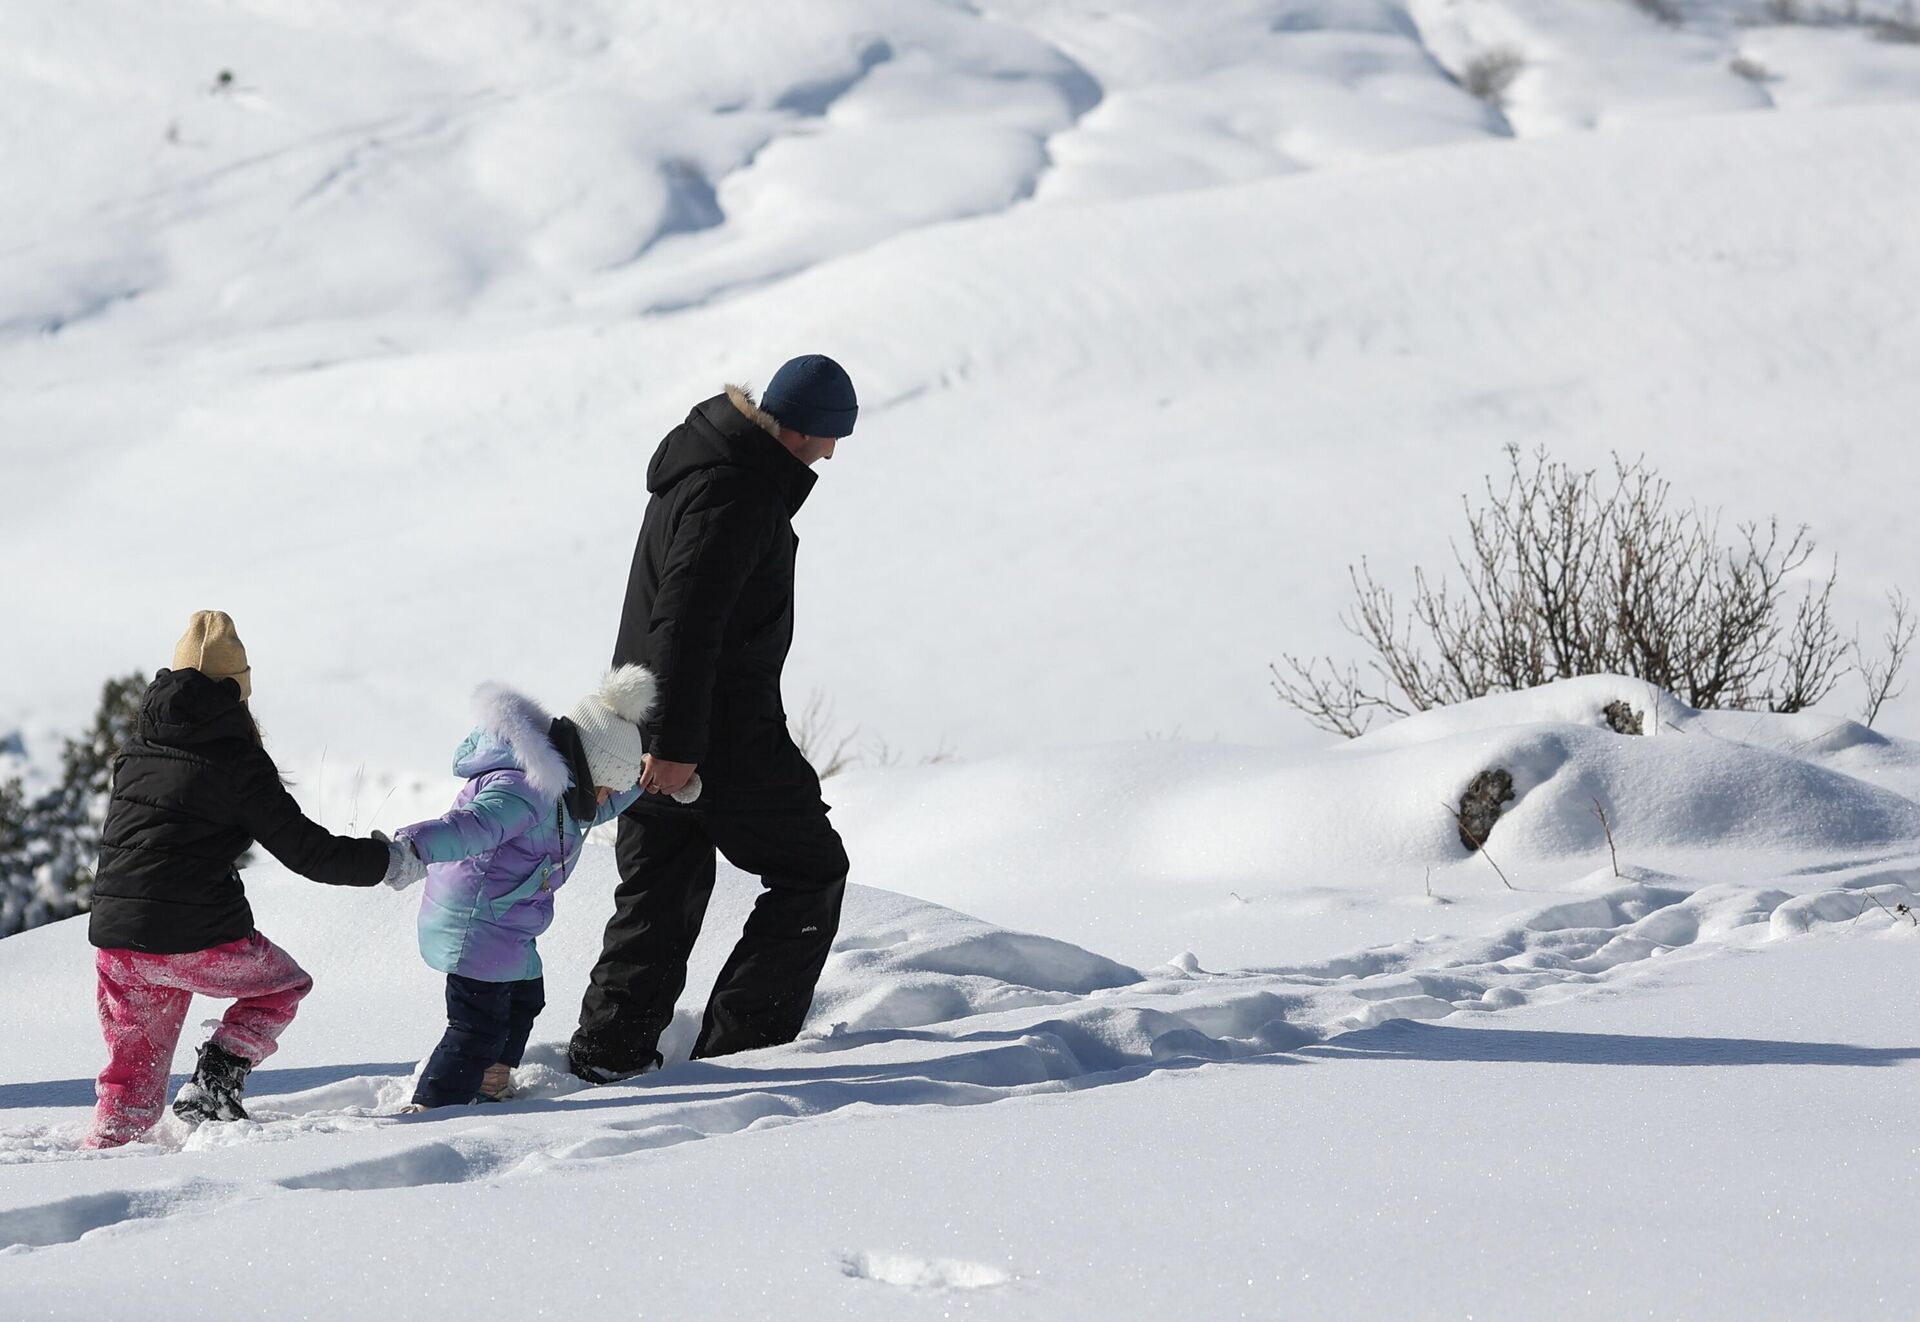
(608, 720)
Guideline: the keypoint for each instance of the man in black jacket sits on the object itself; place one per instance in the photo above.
(709, 610)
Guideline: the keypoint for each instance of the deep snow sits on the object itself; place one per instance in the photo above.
(1162, 313)
(1625, 1157)
(1493, 1100)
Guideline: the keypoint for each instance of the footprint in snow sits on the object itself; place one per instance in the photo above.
(913, 1273)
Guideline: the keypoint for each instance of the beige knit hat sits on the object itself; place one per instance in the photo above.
(211, 647)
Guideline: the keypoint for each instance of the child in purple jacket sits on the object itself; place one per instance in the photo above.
(536, 785)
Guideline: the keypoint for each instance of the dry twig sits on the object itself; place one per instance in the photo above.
(1896, 913)
(1607, 826)
(1479, 844)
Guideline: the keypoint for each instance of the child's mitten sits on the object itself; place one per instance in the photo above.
(403, 865)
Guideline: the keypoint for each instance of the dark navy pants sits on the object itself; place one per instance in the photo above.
(487, 1024)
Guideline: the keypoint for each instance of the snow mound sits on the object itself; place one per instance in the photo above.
(1794, 784)
(924, 1273)
(1886, 903)
(1243, 855)
(938, 965)
(1580, 701)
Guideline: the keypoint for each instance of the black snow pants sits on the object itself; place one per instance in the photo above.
(667, 869)
(487, 1024)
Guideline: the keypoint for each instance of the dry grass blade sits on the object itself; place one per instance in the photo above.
(1479, 844)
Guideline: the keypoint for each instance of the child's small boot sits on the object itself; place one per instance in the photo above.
(213, 1093)
(496, 1085)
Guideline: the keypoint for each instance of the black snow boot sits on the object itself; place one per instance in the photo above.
(213, 1093)
(590, 1062)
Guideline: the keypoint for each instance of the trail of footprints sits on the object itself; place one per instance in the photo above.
(1185, 1016)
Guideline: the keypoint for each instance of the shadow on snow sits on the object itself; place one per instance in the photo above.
(263, 1083)
(1406, 1039)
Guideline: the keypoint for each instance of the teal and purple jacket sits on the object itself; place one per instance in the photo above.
(508, 843)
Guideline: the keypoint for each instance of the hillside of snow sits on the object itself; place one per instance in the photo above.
(353, 356)
(362, 322)
(1456, 1056)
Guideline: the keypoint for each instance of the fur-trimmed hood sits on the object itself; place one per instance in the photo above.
(493, 866)
(730, 431)
(743, 400)
(511, 733)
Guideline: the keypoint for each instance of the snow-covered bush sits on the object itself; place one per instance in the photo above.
(1890, 20)
(1565, 574)
(49, 841)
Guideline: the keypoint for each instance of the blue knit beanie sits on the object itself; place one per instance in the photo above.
(813, 395)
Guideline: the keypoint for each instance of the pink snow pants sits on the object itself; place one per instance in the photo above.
(143, 1002)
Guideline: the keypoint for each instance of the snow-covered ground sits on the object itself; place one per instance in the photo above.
(1162, 313)
(1338, 1094)
(1603, 1158)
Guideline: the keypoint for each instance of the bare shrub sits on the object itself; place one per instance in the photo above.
(1669, 12)
(1878, 672)
(1490, 74)
(833, 747)
(1817, 13)
(1904, 30)
(1887, 20)
(821, 739)
(1564, 574)
(877, 752)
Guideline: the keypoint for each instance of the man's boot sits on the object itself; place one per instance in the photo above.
(591, 1062)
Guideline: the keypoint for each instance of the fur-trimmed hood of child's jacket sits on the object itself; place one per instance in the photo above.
(510, 731)
(508, 843)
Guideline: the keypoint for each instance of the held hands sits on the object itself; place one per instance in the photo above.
(403, 864)
(674, 779)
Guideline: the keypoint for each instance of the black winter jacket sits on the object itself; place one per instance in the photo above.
(192, 791)
(709, 606)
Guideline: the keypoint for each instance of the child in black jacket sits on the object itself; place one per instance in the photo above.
(192, 790)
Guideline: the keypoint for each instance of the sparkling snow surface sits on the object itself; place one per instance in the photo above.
(1151, 1003)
